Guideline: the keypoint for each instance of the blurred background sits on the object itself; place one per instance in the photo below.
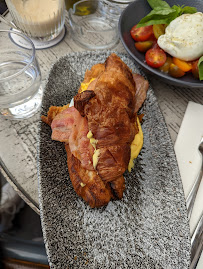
(21, 241)
(3, 6)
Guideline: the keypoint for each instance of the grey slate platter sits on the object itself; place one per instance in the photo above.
(148, 228)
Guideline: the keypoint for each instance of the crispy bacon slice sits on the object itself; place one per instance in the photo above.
(142, 86)
(70, 127)
(51, 114)
(63, 124)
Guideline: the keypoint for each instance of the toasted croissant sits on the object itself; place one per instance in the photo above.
(107, 110)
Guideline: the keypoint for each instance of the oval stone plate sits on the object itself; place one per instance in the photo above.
(148, 228)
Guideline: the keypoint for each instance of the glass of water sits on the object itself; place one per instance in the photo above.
(20, 77)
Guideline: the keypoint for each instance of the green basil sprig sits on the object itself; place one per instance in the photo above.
(200, 67)
(162, 13)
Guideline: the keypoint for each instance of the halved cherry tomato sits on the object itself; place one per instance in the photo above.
(159, 29)
(183, 65)
(165, 68)
(195, 69)
(141, 33)
(143, 46)
(155, 57)
(175, 71)
(155, 45)
(152, 37)
(154, 40)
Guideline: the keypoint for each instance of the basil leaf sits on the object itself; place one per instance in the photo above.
(178, 9)
(158, 3)
(184, 9)
(162, 13)
(189, 10)
(200, 67)
(158, 16)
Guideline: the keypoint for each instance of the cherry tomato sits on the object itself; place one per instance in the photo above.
(141, 33)
(183, 65)
(155, 45)
(165, 68)
(152, 38)
(195, 69)
(155, 57)
(175, 71)
(143, 46)
(158, 30)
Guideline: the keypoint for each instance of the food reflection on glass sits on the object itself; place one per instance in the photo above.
(70, 3)
(172, 39)
(38, 19)
(20, 77)
(101, 130)
(84, 8)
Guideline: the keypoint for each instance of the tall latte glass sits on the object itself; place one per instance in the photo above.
(42, 19)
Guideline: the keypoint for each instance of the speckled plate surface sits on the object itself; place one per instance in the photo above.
(148, 228)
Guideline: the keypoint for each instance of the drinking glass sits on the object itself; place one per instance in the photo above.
(20, 77)
(41, 19)
(94, 24)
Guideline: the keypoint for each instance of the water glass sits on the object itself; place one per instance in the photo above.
(20, 77)
(94, 24)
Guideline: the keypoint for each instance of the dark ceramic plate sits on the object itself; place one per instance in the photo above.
(148, 228)
(131, 16)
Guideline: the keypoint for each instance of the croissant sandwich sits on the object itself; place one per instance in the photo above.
(101, 131)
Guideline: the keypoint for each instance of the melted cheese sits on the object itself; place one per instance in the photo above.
(93, 141)
(96, 157)
(96, 154)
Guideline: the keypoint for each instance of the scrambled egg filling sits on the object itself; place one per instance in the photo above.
(136, 145)
(84, 86)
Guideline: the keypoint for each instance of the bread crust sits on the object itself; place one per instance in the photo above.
(109, 107)
(87, 184)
